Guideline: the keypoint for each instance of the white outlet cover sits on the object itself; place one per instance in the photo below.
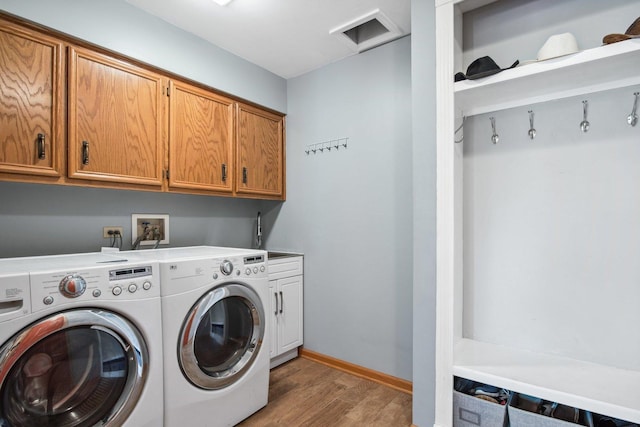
(154, 219)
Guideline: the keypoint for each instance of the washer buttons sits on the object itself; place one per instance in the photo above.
(117, 290)
(237, 272)
(146, 285)
(48, 300)
(262, 268)
(247, 271)
(96, 293)
(133, 287)
(215, 276)
(255, 270)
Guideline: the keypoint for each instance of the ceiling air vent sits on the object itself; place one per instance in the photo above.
(370, 30)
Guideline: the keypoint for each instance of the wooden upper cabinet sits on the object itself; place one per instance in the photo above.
(260, 156)
(31, 132)
(200, 139)
(116, 116)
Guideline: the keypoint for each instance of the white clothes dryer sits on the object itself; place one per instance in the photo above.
(80, 343)
(215, 334)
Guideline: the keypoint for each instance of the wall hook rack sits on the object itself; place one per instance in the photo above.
(327, 146)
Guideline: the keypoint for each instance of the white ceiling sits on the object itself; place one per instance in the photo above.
(287, 37)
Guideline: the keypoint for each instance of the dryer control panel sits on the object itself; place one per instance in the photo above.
(94, 284)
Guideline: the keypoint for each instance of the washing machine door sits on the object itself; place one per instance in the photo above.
(76, 368)
(221, 336)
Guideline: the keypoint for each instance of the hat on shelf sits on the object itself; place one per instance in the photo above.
(481, 67)
(632, 32)
(556, 46)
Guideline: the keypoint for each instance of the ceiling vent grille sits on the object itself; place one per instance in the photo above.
(367, 31)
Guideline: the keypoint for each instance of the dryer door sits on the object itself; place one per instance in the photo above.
(221, 336)
(83, 367)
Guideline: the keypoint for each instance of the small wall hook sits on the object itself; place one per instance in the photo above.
(494, 137)
(584, 124)
(632, 119)
(532, 131)
(458, 141)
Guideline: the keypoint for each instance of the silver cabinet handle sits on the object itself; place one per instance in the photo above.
(224, 172)
(281, 303)
(276, 297)
(41, 152)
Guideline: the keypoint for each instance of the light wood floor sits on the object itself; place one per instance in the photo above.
(306, 393)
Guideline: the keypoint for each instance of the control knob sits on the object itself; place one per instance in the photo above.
(72, 286)
(226, 267)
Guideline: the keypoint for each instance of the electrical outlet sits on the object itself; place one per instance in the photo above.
(148, 226)
(110, 231)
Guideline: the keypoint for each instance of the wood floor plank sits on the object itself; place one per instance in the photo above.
(306, 393)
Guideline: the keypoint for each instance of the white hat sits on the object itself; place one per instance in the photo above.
(558, 45)
(555, 46)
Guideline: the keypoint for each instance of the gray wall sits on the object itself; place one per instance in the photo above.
(350, 210)
(51, 219)
(423, 70)
(116, 25)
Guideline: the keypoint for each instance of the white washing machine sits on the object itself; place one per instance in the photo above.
(215, 334)
(80, 342)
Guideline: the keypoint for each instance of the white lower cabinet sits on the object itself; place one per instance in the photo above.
(286, 307)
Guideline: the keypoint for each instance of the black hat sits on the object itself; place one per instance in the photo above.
(482, 67)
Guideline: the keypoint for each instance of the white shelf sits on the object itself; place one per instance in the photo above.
(597, 388)
(593, 70)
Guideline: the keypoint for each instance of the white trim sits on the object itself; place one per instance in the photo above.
(445, 212)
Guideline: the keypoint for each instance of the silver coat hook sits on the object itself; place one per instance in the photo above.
(494, 137)
(458, 141)
(632, 119)
(584, 124)
(532, 131)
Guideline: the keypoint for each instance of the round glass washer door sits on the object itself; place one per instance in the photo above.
(221, 336)
(74, 369)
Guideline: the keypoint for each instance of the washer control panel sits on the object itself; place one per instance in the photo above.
(184, 275)
(104, 283)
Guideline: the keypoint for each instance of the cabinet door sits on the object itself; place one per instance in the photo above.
(290, 320)
(272, 317)
(30, 102)
(260, 153)
(200, 139)
(115, 120)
